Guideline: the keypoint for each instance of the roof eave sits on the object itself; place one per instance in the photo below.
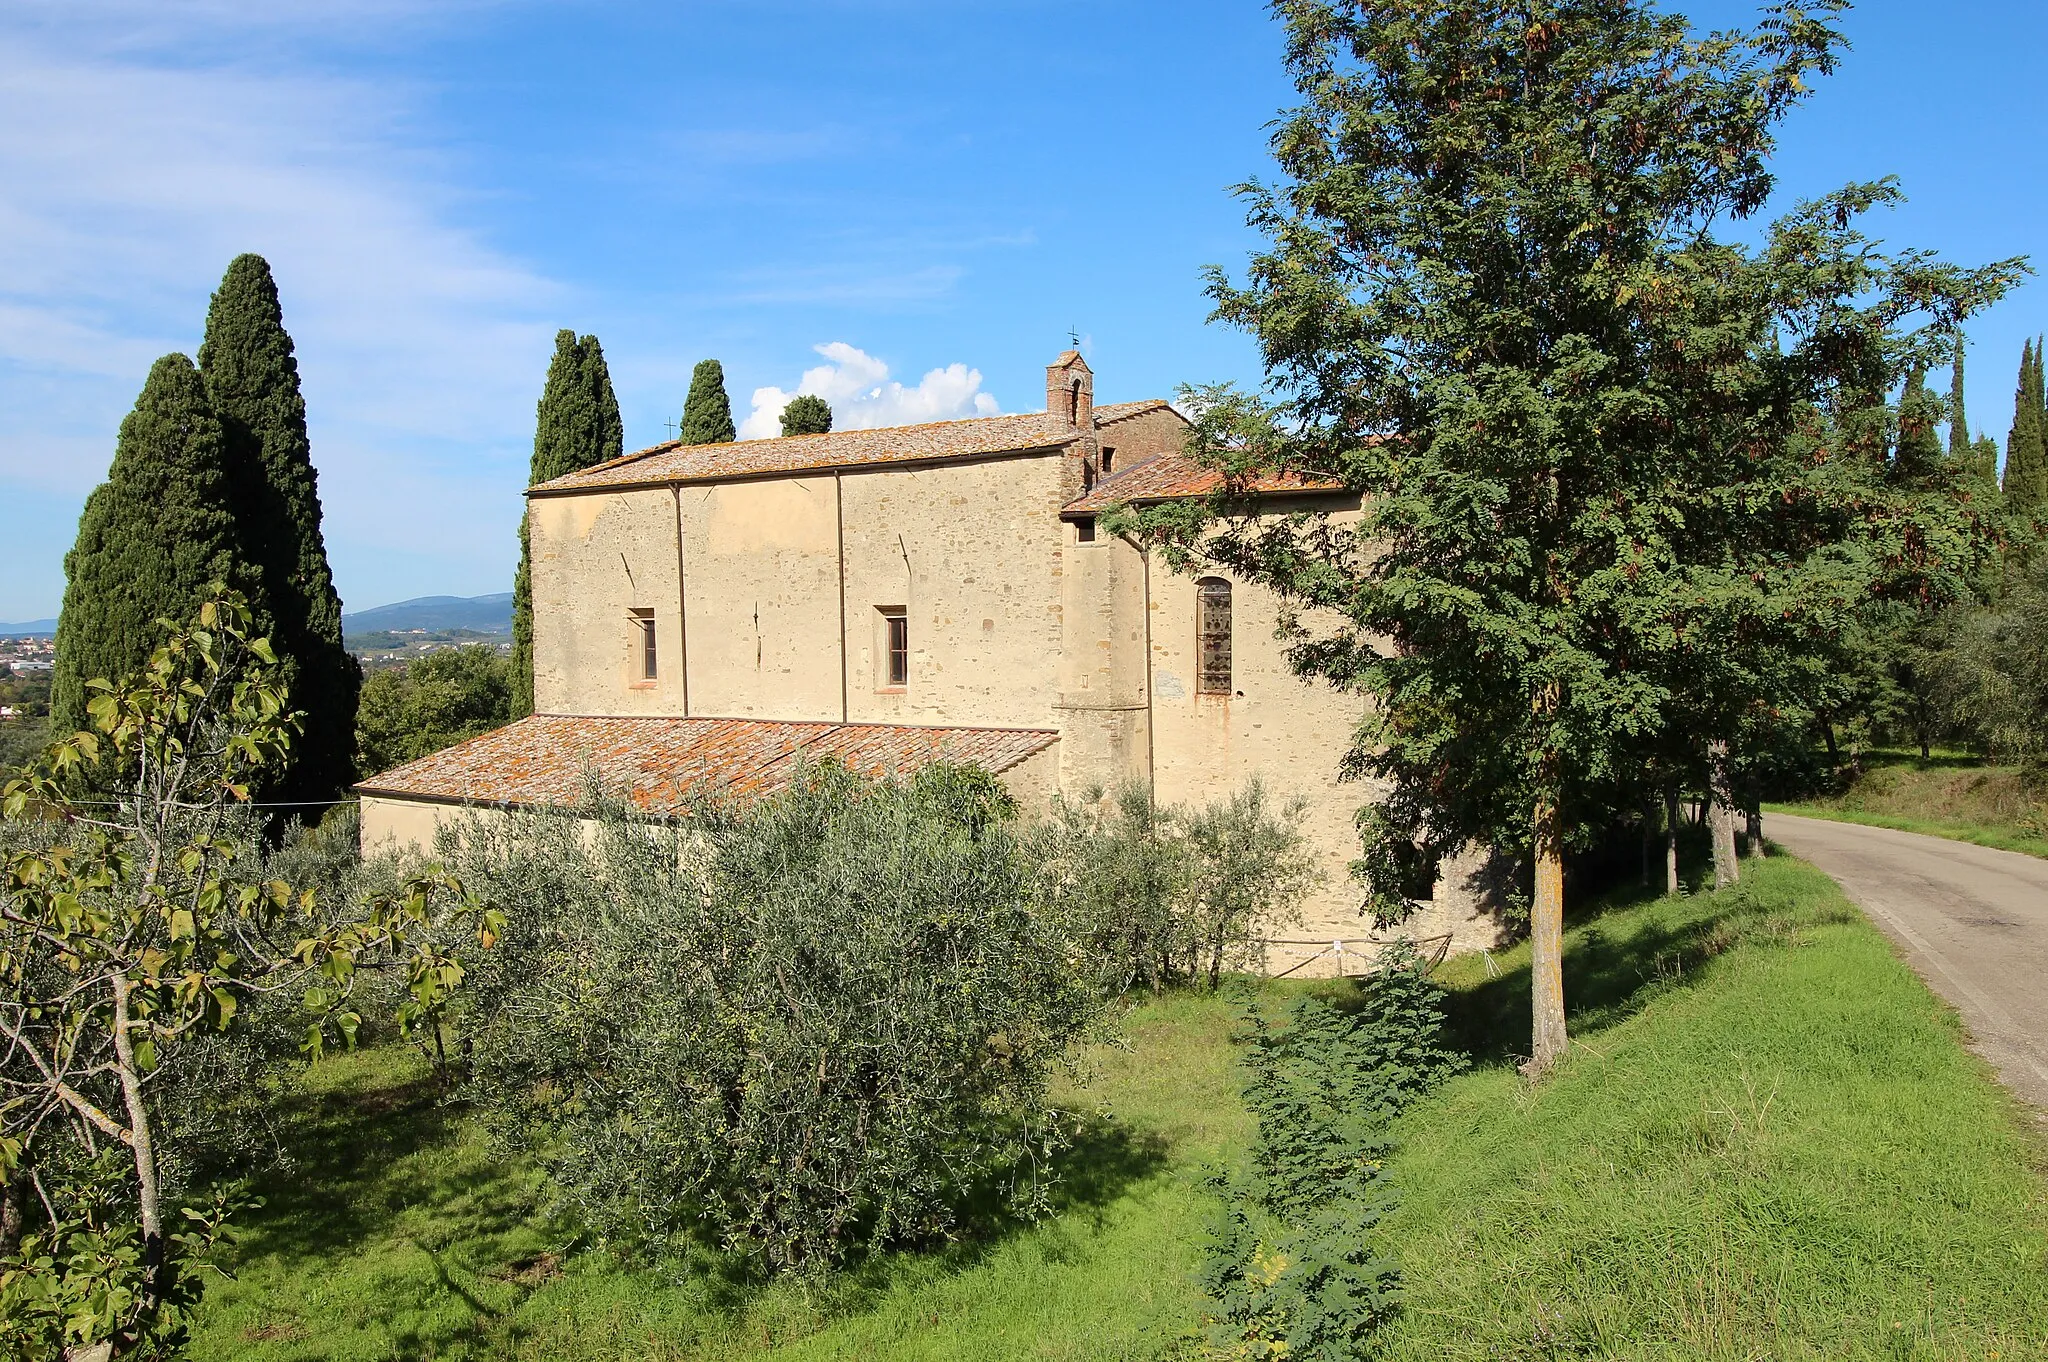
(549, 489)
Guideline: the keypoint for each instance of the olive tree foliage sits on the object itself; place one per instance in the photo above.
(1166, 894)
(136, 931)
(1491, 303)
(796, 1028)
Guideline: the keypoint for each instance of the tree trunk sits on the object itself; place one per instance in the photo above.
(1827, 733)
(148, 1201)
(14, 1209)
(1546, 932)
(1721, 815)
(1649, 836)
(1671, 885)
(1755, 817)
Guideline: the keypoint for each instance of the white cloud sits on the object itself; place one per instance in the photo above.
(862, 397)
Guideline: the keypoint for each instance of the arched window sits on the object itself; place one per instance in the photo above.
(1212, 636)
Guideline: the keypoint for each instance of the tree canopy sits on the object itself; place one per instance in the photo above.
(152, 536)
(576, 426)
(1600, 454)
(252, 380)
(807, 414)
(707, 412)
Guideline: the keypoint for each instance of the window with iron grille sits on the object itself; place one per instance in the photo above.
(1212, 635)
(643, 628)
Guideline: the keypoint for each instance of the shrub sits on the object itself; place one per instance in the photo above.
(801, 1027)
(1292, 1267)
(431, 702)
(1163, 895)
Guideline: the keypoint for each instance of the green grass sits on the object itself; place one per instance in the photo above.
(1961, 798)
(401, 1237)
(1769, 1143)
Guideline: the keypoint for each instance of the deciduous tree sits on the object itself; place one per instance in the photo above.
(130, 932)
(1489, 252)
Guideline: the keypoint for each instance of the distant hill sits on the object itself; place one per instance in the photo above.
(485, 614)
(46, 628)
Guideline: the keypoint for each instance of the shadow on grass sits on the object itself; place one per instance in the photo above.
(1616, 961)
(345, 1189)
(351, 1186)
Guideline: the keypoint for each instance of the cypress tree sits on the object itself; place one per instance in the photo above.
(2026, 459)
(807, 415)
(1984, 460)
(152, 537)
(1958, 423)
(252, 381)
(707, 413)
(1919, 446)
(575, 426)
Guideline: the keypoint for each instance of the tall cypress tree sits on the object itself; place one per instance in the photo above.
(1919, 446)
(576, 425)
(1984, 460)
(707, 413)
(252, 380)
(1958, 422)
(2026, 459)
(152, 537)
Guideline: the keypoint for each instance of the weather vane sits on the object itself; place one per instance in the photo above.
(1074, 337)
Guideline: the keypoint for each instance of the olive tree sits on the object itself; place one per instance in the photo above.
(795, 1027)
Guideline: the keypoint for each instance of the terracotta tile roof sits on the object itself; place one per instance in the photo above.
(980, 435)
(660, 763)
(1171, 477)
(1123, 411)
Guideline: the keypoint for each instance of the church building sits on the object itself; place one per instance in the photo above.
(706, 617)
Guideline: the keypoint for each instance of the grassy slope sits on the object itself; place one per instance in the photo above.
(1770, 1145)
(405, 1240)
(1945, 796)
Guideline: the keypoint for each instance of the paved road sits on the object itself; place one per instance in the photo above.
(1972, 921)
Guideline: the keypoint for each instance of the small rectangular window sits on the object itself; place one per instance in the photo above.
(1212, 636)
(1108, 460)
(896, 644)
(643, 626)
(1084, 529)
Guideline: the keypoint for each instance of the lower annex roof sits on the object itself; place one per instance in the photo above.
(660, 764)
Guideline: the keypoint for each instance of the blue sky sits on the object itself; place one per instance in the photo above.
(917, 198)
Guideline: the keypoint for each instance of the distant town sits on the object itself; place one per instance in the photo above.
(28, 653)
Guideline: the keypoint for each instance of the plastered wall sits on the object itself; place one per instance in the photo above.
(409, 825)
(1289, 733)
(971, 552)
(761, 565)
(595, 559)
